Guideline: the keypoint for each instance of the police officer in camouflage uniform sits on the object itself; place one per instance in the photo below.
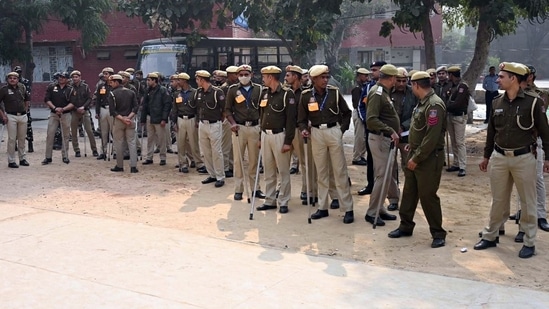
(425, 161)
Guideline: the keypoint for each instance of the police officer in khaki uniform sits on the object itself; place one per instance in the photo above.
(102, 113)
(516, 121)
(123, 108)
(209, 101)
(278, 121)
(80, 97)
(330, 117)
(227, 144)
(457, 100)
(359, 147)
(242, 112)
(424, 163)
(15, 102)
(384, 127)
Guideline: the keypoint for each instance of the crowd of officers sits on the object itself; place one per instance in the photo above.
(229, 118)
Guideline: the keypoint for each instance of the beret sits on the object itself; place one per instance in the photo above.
(378, 64)
(454, 69)
(442, 68)
(203, 74)
(271, 70)
(76, 72)
(124, 74)
(152, 75)
(419, 75)
(513, 67)
(13, 74)
(115, 77)
(294, 68)
(184, 76)
(231, 69)
(431, 71)
(130, 70)
(402, 73)
(362, 71)
(389, 69)
(108, 69)
(319, 69)
(244, 67)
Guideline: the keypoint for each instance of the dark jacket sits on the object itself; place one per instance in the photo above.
(157, 104)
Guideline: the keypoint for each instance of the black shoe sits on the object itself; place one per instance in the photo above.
(371, 220)
(484, 244)
(438, 242)
(312, 201)
(193, 165)
(520, 237)
(527, 252)
(365, 191)
(147, 162)
(209, 180)
(399, 233)
(184, 170)
(202, 170)
(219, 183)
(293, 170)
(126, 157)
(229, 174)
(157, 150)
(453, 169)
(66, 160)
(102, 157)
(283, 209)
(94, 153)
(392, 207)
(319, 214)
(334, 204)
(25, 163)
(46, 161)
(162, 162)
(259, 194)
(56, 147)
(169, 150)
(387, 217)
(265, 207)
(13, 165)
(362, 161)
(303, 196)
(117, 169)
(134, 170)
(542, 222)
(461, 173)
(349, 217)
(237, 196)
(77, 154)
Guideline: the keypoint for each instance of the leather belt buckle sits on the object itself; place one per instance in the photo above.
(248, 123)
(270, 132)
(323, 126)
(19, 114)
(185, 117)
(509, 153)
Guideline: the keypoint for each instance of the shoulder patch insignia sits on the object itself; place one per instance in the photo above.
(222, 97)
(291, 101)
(312, 99)
(460, 90)
(433, 117)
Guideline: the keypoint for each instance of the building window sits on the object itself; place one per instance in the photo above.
(364, 57)
(50, 59)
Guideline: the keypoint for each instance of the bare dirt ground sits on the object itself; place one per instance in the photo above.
(160, 196)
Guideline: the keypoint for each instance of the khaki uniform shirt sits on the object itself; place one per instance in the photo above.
(381, 115)
(323, 108)
(278, 111)
(243, 104)
(427, 128)
(122, 101)
(60, 97)
(183, 103)
(14, 98)
(80, 95)
(209, 103)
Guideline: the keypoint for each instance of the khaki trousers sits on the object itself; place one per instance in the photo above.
(17, 131)
(456, 130)
(504, 171)
(248, 138)
(209, 136)
(187, 142)
(54, 121)
(540, 183)
(298, 153)
(380, 147)
(227, 146)
(359, 148)
(105, 124)
(76, 117)
(124, 135)
(275, 161)
(156, 135)
(327, 148)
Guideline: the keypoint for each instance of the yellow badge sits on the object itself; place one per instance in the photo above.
(313, 106)
(240, 99)
(179, 100)
(263, 103)
(102, 91)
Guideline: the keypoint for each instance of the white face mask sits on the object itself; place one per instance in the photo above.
(244, 80)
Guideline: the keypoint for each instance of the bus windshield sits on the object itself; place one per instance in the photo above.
(166, 59)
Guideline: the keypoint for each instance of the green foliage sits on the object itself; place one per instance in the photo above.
(346, 76)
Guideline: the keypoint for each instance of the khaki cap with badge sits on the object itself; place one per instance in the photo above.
(108, 70)
(431, 71)
(363, 71)
(442, 68)
(513, 67)
(412, 72)
(319, 69)
(419, 75)
(152, 75)
(244, 67)
(271, 70)
(203, 74)
(453, 69)
(76, 72)
(389, 70)
(13, 74)
(220, 73)
(124, 74)
(184, 76)
(115, 77)
(231, 69)
(294, 68)
(402, 73)
(130, 70)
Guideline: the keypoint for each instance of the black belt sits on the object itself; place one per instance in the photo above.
(325, 125)
(104, 106)
(64, 112)
(513, 152)
(248, 123)
(273, 131)
(209, 121)
(186, 116)
(380, 133)
(458, 114)
(17, 113)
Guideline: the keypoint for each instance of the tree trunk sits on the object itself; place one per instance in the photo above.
(29, 61)
(429, 41)
(482, 49)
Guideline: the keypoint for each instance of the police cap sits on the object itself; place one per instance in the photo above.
(454, 69)
(76, 72)
(124, 74)
(402, 73)
(378, 64)
(116, 77)
(319, 69)
(184, 76)
(108, 70)
(152, 75)
(513, 67)
(442, 68)
(271, 70)
(420, 75)
(203, 74)
(362, 71)
(231, 69)
(389, 69)
(294, 68)
(244, 67)
(13, 74)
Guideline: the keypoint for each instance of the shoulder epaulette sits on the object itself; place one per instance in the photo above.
(379, 90)
(306, 91)
(532, 93)
(332, 87)
(234, 85)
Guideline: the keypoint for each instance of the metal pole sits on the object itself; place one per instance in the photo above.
(252, 208)
(309, 205)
